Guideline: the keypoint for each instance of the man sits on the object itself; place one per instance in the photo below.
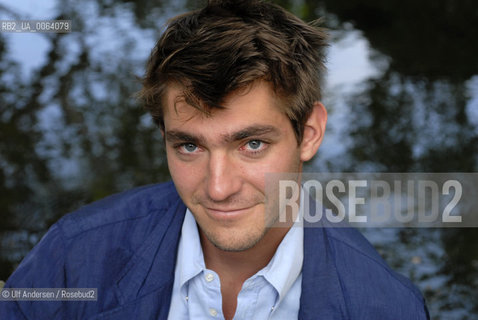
(235, 89)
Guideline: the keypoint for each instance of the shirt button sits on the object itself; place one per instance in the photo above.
(209, 277)
(212, 312)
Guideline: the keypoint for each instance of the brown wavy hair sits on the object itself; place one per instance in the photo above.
(228, 45)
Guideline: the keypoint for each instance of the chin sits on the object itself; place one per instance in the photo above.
(231, 241)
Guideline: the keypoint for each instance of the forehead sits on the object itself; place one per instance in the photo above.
(255, 104)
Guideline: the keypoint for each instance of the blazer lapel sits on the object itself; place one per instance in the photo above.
(321, 296)
(144, 288)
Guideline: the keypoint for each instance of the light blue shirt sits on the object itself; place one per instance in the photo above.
(272, 293)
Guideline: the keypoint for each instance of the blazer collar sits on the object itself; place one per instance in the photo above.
(322, 296)
(151, 269)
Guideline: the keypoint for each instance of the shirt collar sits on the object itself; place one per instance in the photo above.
(286, 264)
(190, 255)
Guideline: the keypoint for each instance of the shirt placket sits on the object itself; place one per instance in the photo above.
(211, 284)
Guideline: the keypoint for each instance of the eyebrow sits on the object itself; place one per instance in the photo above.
(173, 136)
(252, 131)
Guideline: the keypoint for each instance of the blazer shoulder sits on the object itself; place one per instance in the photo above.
(135, 204)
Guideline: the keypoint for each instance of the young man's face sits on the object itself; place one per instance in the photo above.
(218, 163)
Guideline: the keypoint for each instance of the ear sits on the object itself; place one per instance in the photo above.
(314, 130)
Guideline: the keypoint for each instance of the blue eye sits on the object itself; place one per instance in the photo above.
(254, 148)
(189, 147)
(255, 144)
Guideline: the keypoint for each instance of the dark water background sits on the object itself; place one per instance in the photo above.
(71, 132)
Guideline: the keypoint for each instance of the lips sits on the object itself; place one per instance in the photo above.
(227, 214)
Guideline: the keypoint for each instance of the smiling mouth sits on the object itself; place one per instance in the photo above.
(227, 213)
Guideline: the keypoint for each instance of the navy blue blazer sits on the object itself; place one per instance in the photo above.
(126, 246)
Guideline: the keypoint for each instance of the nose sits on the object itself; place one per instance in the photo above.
(223, 177)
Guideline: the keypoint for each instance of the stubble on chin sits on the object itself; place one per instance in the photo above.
(233, 238)
(236, 245)
(238, 238)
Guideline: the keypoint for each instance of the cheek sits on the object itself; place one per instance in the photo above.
(286, 159)
(255, 176)
(184, 178)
